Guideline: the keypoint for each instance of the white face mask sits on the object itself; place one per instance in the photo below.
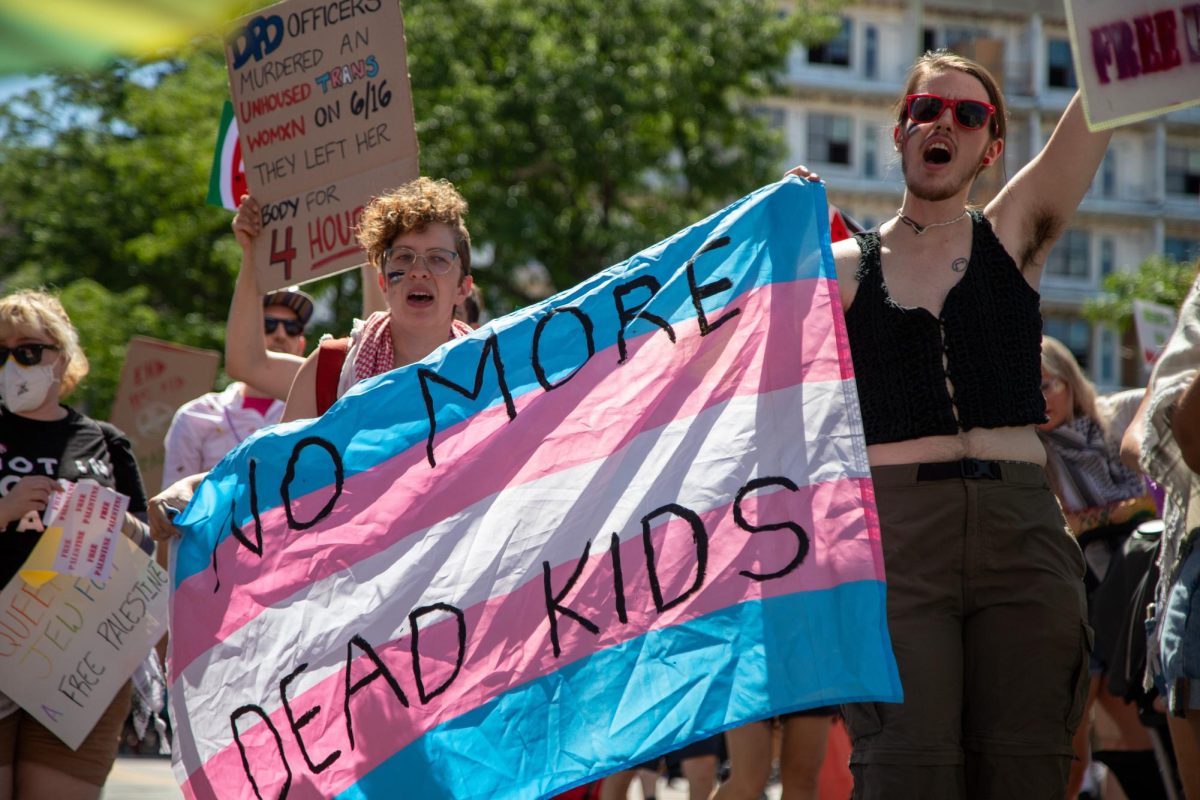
(25, 388)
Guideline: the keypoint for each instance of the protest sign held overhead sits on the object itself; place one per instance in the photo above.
(615, 522)
(325, 121)
(1135, 58)
(156, 379)
(69, 644)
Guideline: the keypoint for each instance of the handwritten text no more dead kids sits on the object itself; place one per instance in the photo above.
(630, 299)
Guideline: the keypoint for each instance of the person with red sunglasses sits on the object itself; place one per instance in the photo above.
(986, 605)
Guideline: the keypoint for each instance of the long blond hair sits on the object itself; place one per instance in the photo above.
(1060, 362)
(31, 312)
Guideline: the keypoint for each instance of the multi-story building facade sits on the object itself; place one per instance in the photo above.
(837, 118)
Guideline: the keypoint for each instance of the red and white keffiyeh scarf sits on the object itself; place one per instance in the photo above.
(375, 354)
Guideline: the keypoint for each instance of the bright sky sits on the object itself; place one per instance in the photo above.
(17, 84)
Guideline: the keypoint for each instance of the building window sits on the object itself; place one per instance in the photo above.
(773, 117)
(929, 40)
(1183, 170)
(870, 152)
(1180, 249)
(1070, 256)
(956, 38)
(1108, 261)
(1108, 174)
(1106, 373)
(829, 138)
(1060, 69)
(1075, 333)
(835, 52)
(871, 52)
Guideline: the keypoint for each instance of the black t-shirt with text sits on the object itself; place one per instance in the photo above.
(74, 447)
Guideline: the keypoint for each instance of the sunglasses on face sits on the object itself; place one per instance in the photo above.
(969, 114)
(399, 260)
(293, 327)
(27, 355)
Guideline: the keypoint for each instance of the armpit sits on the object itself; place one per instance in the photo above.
(1045, 228)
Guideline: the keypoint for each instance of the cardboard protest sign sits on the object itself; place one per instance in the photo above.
(325, 121)
(615, 522)
(1154, 324)
(156, 379)
(1135, 58)
(68, 645)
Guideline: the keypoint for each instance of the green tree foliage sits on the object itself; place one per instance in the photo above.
(102, 179)
(583, 131)
(106, 320)
(1157, 279)
(580, 131)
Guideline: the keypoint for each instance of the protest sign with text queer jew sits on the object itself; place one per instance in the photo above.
(1135, 58)
(67, 646)
(156, 379)
(325, 122)
(612, 523)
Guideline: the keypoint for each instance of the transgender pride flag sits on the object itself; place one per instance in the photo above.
(615, 522)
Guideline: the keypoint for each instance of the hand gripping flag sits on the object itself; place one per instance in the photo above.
(598, 529)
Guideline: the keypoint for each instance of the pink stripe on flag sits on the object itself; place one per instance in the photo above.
(579, 412)
(508, 640)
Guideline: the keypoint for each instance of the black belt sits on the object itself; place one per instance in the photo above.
(967, 469)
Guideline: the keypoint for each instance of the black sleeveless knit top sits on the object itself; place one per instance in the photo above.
(989, 331)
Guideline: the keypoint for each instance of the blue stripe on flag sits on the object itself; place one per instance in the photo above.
(778, 233)
(653, 695)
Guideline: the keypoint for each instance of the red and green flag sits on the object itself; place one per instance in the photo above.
(227, 182)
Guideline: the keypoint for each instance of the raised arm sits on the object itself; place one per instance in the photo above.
(1033, 209)
(302, 399)
(246, 356)
(1131, 441)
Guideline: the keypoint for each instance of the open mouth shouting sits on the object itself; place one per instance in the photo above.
(419, 297)
(937, 153)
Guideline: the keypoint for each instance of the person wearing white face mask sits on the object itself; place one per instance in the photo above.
(42, 441)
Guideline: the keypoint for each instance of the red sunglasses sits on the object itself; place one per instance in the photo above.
(969, 114)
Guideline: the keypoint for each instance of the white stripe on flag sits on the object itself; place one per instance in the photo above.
(521, 524)
(227, 166)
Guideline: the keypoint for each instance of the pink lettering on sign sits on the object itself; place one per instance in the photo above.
(150, 369)
(1144, 45)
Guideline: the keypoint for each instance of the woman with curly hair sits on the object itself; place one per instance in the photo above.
(415, 238)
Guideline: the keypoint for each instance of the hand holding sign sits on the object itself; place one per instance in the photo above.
(30, 495)
(80, 640)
